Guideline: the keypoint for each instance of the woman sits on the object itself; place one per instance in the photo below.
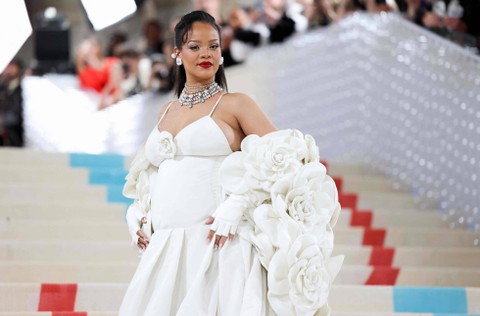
(195, 263)
(104, 75)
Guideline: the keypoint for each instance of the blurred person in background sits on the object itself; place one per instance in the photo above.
(11, 105)
(152, 41)
(283, 18)
(161, 78)
(377, 6)
(321, 13)
(246, 34)
(116, 40)
(103, 75)
(130, 60)
(168, 59)
(449, 19)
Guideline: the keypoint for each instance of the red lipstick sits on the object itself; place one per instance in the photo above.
(205, 64)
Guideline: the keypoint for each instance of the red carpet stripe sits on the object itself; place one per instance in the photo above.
(383, 276)
(381, 256)
(348, 200)
(361, 218)
(57, 297)
(374, 237)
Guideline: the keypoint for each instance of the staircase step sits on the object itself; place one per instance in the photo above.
(43, 193)
(414, 237)
(364, 183)
(41, 212)
(468, 257)
(42, 174)
(71, 272)
(390, 219)
(66, 251)
(22, 157)
(87, 231)
(372, 200)
(356, 299)
(409, 276)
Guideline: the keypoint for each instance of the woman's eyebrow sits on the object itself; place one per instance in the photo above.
(198, 41)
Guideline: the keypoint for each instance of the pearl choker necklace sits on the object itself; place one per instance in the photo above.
(192, 95)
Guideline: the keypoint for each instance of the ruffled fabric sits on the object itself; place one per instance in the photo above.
(293, 208)
(139, 179)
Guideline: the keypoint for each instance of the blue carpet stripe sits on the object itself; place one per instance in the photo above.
(92, 161)
(105, 169)
(430, 300)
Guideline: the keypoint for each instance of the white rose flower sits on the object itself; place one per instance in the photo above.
(298, 278)
(309, 196)
(167, 146)
(270, 157)
(163, 147)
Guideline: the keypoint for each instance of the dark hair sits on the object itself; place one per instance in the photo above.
(180, 37)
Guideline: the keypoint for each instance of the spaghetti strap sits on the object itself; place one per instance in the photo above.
(165, 112)
(215, 105)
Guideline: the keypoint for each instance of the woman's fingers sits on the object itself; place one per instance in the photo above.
(143, 241)
(209, 221)
(142, 244)
(219, 241)
(210, 235)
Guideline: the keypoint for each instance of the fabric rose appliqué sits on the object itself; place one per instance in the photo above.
(159, 148)
(294, 208)
(309, 195)
(167, 147)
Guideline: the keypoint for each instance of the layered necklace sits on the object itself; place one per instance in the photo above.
(192, 95)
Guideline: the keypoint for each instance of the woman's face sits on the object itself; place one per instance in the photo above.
(201, 53)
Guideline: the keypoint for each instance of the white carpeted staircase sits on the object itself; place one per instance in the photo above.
(65, 249)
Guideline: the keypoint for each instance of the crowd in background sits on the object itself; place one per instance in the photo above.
(127, 66)
(147, 65)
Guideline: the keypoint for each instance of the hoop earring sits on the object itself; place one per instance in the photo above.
(178, 61)
(221, 61)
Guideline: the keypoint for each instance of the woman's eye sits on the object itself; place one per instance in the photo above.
(214, 46)
(193, 47)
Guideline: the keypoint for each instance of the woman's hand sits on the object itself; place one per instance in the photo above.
(219, 240)
(143, 241)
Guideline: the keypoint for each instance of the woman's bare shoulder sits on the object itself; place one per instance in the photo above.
(240, 102)
(248, 114)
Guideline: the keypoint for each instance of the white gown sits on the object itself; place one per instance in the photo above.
(180, 273)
